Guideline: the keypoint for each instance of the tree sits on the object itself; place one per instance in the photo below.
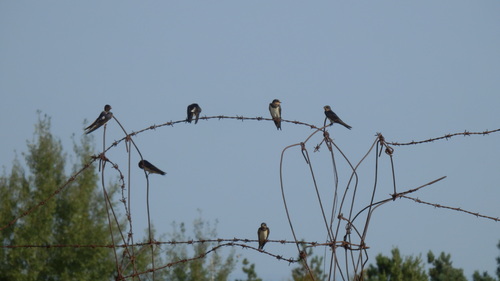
(498, 262)
(207, 267)
(75, 216)
(249, 271)
(485, 276)
(482, 277)
(315, 265)
(442, 269)
(396, 268)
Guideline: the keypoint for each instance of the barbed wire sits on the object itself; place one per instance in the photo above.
(476, 214)
(187, 242)
(337, 225)
(447, 136)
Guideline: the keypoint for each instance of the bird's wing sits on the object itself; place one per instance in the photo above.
(97, 120)
(189, 114)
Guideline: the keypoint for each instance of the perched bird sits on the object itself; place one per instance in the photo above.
(150, 168)
(101, 120)
(275, 110)
(263, 233)
(193, 110)
(333, 117)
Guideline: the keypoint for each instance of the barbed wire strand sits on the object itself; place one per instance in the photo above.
(333, 244)
(193, 242)
(447, 136)
(476, 214)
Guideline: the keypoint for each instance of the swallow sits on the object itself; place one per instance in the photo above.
(150, 168)
(101, 120)
(333, 117)
(263, 233)
(193, 110)
(275, 110)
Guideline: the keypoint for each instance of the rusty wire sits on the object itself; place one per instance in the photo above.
(446, 137)
(191, 242)
(352, 241)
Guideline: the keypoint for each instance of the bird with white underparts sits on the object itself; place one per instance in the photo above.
(104, 117)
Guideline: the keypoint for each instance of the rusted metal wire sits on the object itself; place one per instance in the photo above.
(476, 214)
(350, 239)
(446, 137)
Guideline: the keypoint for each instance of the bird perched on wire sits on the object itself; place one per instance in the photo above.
(150, 168)
(275, 110)
(333, 117)
(101, 120)
(263, 233)
(193, 110)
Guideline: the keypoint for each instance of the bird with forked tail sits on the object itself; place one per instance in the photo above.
(150, 168)
(104, 117)
(333, 117)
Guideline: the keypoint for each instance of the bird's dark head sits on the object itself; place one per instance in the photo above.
(107, 107)
(263, 224)
(276, 101)
(327, 108)
(141, 164)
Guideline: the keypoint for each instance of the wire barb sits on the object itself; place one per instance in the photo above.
(342, 221)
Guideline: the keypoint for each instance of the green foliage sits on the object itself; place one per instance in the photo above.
(482, 277)
(249, 270)
(209, 267)
(143, 260)
(485, 276)
(443, 270)
(396, 268)
(76, 216)
(498, 262)
(315, 265)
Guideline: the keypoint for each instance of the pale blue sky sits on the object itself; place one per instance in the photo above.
(410, 70)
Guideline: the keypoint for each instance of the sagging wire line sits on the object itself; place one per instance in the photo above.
(476, 214)
(447, 136)
(219, 117)
(213, 250)
(338, 244)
